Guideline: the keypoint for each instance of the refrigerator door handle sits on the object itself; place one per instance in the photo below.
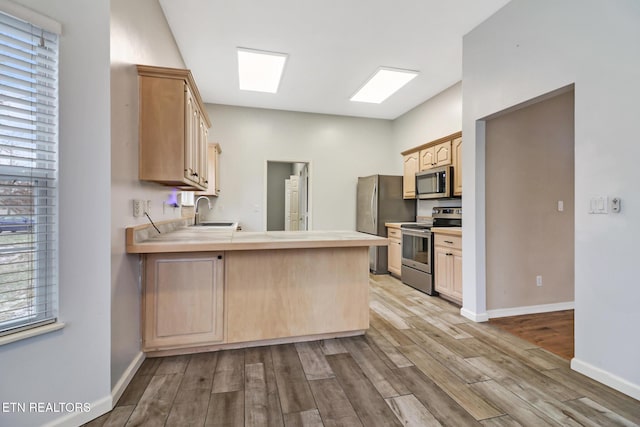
(373, 199)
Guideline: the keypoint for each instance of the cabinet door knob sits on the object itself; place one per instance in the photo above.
(449, 242)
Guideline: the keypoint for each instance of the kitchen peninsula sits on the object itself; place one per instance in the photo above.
(207, 289)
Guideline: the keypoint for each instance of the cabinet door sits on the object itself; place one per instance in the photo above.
(427, 158)
(456, 279)
(215, 163)
(442, 154)
(213, 180)
(409, 176)
(442, 276)
(394, 262)
(203, 160)
(183, 302)
(457, 166)
(191, 136)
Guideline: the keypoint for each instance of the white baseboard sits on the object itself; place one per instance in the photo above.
(530, 309)
(476, 317)
(606, 378)
(104, 405)
(126, 378)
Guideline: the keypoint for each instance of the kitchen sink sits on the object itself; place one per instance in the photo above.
(215, 224)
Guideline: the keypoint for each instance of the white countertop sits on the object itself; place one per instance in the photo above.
(202, 238)
(454, 231)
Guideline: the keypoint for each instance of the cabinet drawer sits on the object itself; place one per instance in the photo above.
(447, 240)
(393, 233)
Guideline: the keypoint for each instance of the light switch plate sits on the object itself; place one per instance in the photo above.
(599, 205)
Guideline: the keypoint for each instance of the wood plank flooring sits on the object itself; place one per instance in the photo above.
(420, 364)
(551, 331)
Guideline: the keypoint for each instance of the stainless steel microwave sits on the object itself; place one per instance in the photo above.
(435, 183)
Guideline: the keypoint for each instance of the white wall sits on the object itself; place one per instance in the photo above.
(529, 48)
(139, 35)
(72, 365)
(437, 117)
(339, 149)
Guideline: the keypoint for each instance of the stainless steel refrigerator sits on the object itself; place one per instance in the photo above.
(380, 201)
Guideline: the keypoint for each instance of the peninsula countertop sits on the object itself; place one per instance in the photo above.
(203, 239)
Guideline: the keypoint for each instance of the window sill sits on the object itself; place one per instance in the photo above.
(34, 332)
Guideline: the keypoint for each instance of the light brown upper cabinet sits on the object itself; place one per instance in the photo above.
(457, 166)
(409, 176)
(441, 152)
(174, 126)
(213, 170)
(437, 155)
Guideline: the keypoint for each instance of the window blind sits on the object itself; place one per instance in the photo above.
(28, 175)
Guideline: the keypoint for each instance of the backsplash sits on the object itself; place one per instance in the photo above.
(424, 207)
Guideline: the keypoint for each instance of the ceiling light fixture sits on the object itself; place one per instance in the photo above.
(260, 71)
(384, 83)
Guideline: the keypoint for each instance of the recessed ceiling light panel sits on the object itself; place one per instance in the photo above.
(260, 71)
(384, 83)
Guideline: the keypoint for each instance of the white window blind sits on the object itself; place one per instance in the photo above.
(28, 175)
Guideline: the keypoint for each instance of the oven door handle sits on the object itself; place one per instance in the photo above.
(406, 232)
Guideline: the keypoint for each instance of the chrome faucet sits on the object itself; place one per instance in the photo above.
(196, 220)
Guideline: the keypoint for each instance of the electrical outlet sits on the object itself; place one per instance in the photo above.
(538, 280)
(615, 205)
(138, 209)
(147, 207)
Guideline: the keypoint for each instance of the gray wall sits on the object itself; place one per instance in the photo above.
(529, 164)
(277, 173)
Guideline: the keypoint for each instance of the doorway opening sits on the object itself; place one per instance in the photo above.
(288, 198)
(529, 216)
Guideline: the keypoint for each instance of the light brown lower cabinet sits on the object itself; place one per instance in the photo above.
(205, 301)
(448, 266)
(182, 300)
(394, 255)
(287, 293)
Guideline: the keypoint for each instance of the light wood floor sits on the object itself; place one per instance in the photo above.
(420, 364)
(551, 331)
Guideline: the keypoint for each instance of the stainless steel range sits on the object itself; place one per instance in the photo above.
(417, 248)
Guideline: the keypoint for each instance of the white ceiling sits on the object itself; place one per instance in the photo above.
(334, 46)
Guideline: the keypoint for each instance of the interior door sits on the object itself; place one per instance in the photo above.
(287, 205)
(294, 204)
(304, 198)
(291, 204)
